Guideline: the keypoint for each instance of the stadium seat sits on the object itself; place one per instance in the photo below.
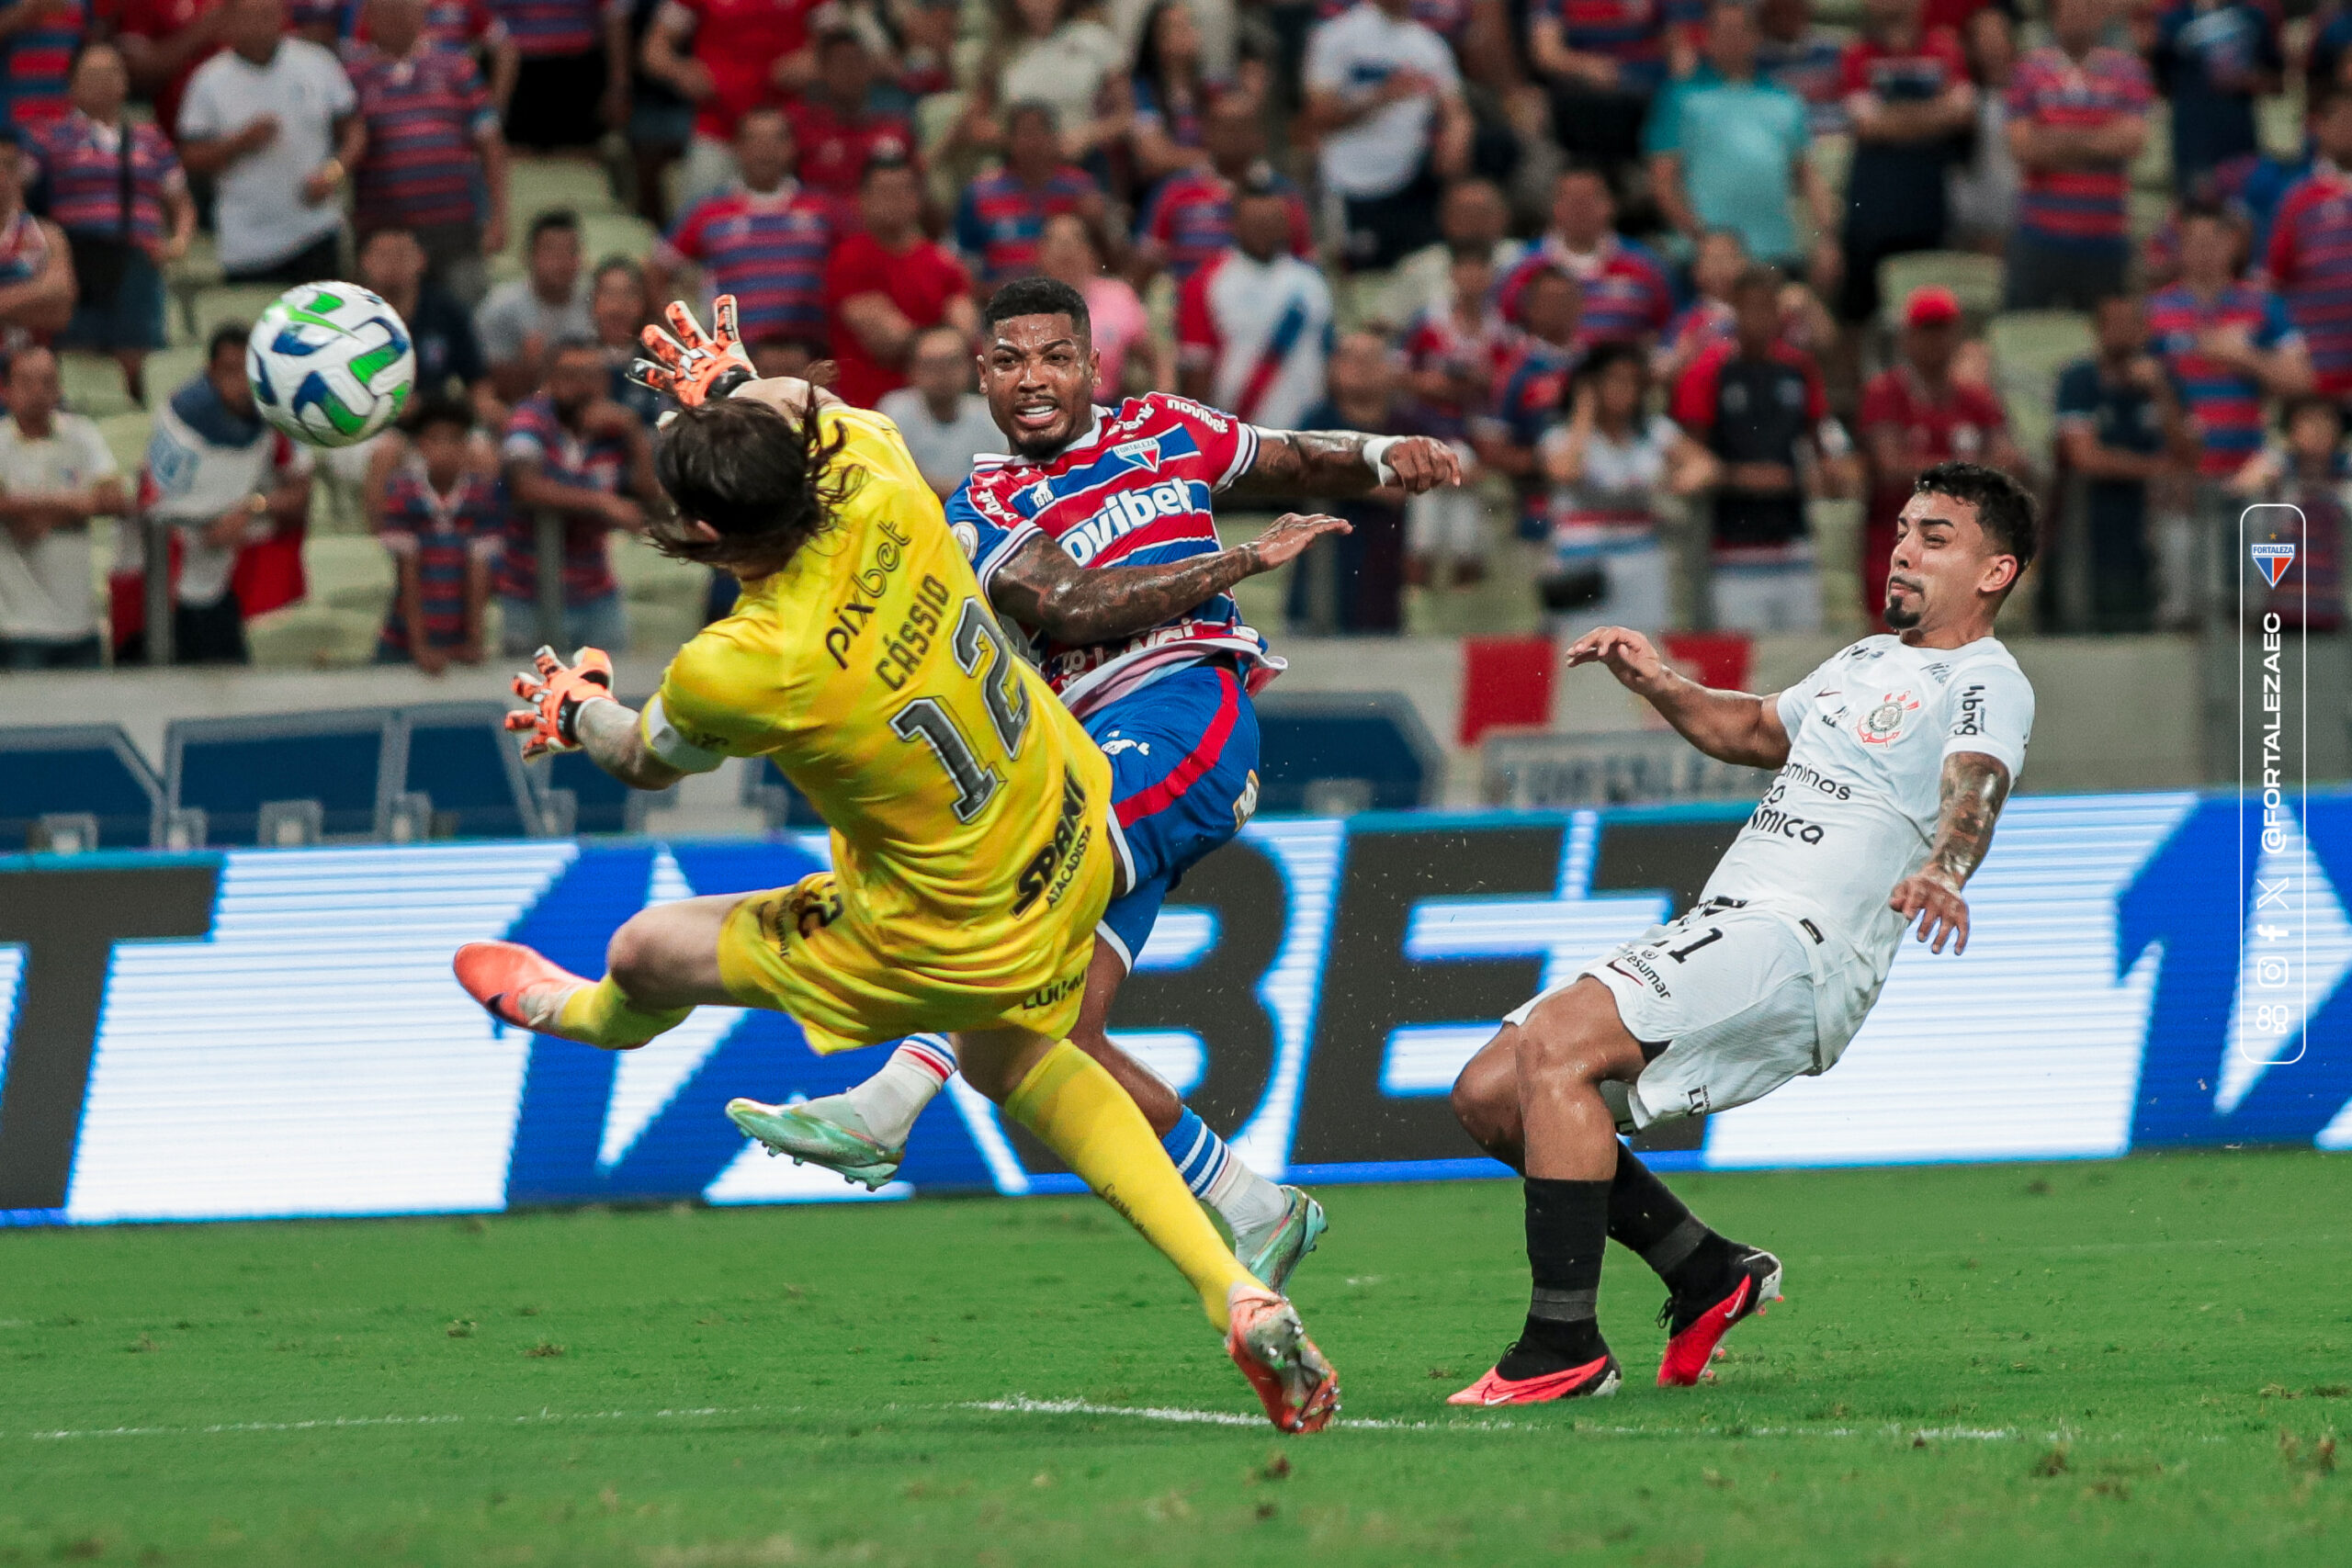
(1339, 751)
(600, 803)
(1976, 279)
(239, 302)
(539, 184)
(126, 436)
(460, 757)
(2029, 347)
(346, 760)
(92, 385)
(77, 767)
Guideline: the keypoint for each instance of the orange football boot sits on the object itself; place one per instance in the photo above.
(1594, 1379)
(1296, 1385)
(515, 985)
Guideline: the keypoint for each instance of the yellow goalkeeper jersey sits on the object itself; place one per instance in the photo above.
(969, 811)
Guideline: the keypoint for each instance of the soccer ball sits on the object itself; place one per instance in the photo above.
(331, 364)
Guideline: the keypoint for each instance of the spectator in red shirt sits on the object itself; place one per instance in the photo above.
(724, 57)
(886, 285)
(1915, 415)
(435, 160)
(162, 42)
(841, 125)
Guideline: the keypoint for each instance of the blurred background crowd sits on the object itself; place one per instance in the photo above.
(1697, 287)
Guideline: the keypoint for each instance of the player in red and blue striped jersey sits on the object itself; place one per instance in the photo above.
(765, 241)
(38, 38)
(1002, 214)
(1095, 537)
(2310, 259)
(2226, 345)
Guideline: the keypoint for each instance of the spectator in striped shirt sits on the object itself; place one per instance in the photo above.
(2078, 115)
(2311, 251)
(117, 191)
(1807, 59)
(441, 518)
(573, 452)
(1626, 296)
(1190, 215)
(569, 85)
(38, 39)
(2226, 345)
(1603, 61)
(435, 161)
(1002, 214)
(37, 287)
(764, 241)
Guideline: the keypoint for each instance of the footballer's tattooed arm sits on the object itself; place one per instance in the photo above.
(1344, 462)
(1042, 587)
(608, 732)
(1974, 788)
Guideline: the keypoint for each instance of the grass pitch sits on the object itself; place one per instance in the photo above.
(2140, 1362)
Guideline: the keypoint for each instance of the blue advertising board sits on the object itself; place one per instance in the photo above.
(274, 1032)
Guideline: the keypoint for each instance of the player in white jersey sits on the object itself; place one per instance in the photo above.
(1895, 758)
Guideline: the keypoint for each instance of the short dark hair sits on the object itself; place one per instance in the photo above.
(1038, 297)
(223, 337)
(2005, 508)
(765, 484)
(2295, 408)
(1052, 116)
(554, 219)
(1605, 355)
(440, 408)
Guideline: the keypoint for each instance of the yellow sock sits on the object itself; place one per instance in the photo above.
(600, 1015)
(1084, 1116)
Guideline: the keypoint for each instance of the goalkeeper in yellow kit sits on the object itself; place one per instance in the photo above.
(969, 809)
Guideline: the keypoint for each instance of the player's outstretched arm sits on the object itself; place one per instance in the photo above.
(573, 709)
(1041, 586)
(1975, 786)
(1731, 727)
(1345, 462)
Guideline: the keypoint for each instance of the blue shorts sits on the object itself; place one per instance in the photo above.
(1183, 758)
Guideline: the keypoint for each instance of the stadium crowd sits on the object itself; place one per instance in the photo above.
(1666, 270)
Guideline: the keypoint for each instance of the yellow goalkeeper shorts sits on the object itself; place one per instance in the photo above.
(807, 951)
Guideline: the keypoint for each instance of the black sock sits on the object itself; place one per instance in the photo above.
(1647, 1217)
(1567, 1231)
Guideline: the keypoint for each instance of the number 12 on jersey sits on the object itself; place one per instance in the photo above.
(1007, 700)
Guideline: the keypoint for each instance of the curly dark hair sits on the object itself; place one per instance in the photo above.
(765, 484)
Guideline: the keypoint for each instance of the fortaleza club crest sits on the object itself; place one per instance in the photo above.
(1883, 722)
(2272, 562)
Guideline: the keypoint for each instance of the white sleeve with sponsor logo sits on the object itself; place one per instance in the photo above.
(1991, 712)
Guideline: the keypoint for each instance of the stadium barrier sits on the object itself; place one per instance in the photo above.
(268, 1032)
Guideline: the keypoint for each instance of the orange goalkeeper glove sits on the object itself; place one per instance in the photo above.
(695, 366)
(557, 692)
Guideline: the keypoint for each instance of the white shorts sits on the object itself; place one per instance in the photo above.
(1724, 1001)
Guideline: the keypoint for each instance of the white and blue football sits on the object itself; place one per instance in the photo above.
(331, 364)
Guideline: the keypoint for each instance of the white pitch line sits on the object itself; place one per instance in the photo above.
(1022, 1404)
(330, 1423)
